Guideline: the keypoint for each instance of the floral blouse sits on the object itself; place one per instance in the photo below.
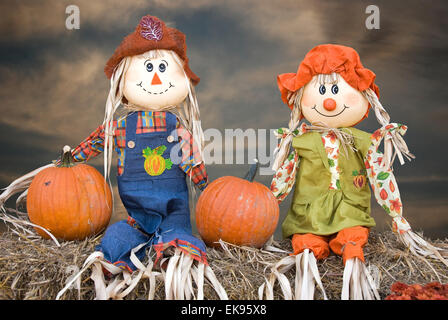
(382, 181)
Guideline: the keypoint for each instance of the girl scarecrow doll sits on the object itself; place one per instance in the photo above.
(331, 164)
(159, 142)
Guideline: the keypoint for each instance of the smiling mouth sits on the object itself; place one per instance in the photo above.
(325, 115)
(150, 92)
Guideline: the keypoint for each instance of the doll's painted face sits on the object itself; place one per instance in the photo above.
(335, 105)
(155, 81)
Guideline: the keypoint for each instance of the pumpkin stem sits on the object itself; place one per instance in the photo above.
(250, 176)
(67, 160)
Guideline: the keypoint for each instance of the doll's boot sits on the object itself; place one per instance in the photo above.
(307, 249)
(358, 284)
(183, 273)
(112, 281)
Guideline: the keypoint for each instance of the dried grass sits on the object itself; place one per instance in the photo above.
(34, 268)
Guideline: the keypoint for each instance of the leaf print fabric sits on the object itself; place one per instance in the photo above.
(382, 180)
(285, 177)
(331, 146)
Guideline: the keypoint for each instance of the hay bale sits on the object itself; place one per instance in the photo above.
(34, 268)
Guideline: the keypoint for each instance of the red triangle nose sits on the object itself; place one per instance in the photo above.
(156, 80)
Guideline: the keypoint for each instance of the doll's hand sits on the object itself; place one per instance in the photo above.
(392, 134)
(400, 225)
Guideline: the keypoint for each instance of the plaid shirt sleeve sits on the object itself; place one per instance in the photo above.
(192, 163)
(92, 146)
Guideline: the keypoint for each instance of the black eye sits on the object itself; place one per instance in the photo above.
(322, 89)
(149, 67)
(162, 67)
(334, 89)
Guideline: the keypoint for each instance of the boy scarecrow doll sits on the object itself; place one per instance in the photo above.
(159, 143)
(331, 164)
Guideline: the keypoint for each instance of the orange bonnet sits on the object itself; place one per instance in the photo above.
(326, 59)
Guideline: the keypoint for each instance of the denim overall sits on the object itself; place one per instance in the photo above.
(158, 203)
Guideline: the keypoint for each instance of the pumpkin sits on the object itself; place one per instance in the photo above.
(238, 211)
(72, 201)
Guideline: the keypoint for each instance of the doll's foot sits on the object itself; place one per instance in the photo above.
(307, 276)
(358, 284)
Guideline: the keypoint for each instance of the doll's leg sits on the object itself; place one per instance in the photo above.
(118, 241)
(177, 227)
(317, 244)
(187, 261)
(357, 281)
(307, 248)
(349, 243)
(111, 264)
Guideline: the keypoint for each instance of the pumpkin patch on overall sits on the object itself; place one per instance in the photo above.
(238, 211)
(155, 164)
(72, 201)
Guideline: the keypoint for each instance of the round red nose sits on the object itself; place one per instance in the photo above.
(329, 104)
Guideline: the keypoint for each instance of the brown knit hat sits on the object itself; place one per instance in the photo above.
(151, 33)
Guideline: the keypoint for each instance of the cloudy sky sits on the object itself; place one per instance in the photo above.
(53, 88)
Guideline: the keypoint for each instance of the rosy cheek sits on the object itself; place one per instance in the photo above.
(352, 99)
(309, 101)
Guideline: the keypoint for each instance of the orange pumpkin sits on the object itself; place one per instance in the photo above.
(238, 211)
(72, 201)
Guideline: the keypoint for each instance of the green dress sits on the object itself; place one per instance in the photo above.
(319, 210)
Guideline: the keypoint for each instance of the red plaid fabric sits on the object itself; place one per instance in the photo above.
(192, 162)
(92, 146)
(151, 122)
(147, 121)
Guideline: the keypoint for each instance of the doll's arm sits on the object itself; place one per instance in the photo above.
(192, 163)
(387, 195)
(392, 134)
(385, 188)
(285, 177)
(90, 147)
(382, 179)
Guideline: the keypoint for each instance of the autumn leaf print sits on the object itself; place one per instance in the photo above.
(395, 205)
(391, 186)
(332, 136)
(376, 135)
(274, 186)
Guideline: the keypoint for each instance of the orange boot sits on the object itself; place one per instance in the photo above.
(317, 244)
(357, 283)
(349, 242)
